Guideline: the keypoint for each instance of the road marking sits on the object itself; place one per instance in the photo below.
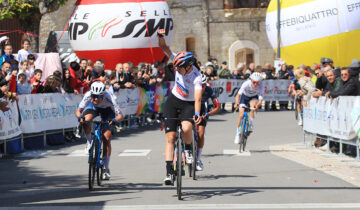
(34, 153)
(135, 152)
(202, 206)
(78, 153)
(236, 152)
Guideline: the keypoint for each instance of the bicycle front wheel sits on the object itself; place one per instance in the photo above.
(194, 154)
(92, 168)
(179, 167)
(243, 135)
(99, 170)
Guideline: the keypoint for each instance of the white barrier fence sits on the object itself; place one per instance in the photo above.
(43, 112)
(338, 118)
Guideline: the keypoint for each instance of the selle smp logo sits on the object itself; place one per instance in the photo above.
(80, 26)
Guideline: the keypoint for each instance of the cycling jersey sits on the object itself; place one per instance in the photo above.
(109, 100)
(248, 90)
(185, 85)
(208, 93)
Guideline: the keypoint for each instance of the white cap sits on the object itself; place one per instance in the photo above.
(3, 38)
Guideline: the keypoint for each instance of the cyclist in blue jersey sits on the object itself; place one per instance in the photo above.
(185, 97)
(251, 92)
(99, 101)
(207, 93)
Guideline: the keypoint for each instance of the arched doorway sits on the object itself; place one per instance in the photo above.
(190, 44)
(245, 52)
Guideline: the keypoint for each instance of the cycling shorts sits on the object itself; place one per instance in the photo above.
(203, 112)
(106, 114)
(176, 108)
(245, 100)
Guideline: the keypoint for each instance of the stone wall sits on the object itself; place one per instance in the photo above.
(228, 28)
(54, 21)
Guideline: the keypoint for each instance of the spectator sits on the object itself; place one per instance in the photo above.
(52, 85)
(169, 72)
(119, 70)
(24, 52)
(99, 62)
(8, 54)
(6, 96)
(251, 67)
(224, 72)
(237, 74)
(36, 82)
(334, 83)
(3, 41)
(155, 68)
(5, 73)
(23, 85)
(31, 63)
(350, 85)
(209, 73)
(75, 73)
(307, 87)
(67, 82)
(24, 69)
(321, 82)
(312, 76)
(284, 72)
(57, 74)
(140, 81)
(83, 64)
(354, 69)
(267, 70)
(126, 80)
(12, 81)
(216, 67)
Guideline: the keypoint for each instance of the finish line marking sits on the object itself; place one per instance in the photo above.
(78, 153)
(134, 152)
(201, 206)
(236, 152)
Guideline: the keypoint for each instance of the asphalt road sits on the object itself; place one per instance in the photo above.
(56, 178)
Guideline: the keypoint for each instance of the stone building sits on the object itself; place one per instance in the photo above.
(230, 30)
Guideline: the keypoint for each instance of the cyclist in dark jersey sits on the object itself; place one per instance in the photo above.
(207, 93)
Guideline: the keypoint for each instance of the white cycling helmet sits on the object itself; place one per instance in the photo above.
(97, 88)
(256, 77)
(203, 79)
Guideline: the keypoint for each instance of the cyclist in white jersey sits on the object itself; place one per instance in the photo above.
(250, 94)
(99, 101)
(185, 98)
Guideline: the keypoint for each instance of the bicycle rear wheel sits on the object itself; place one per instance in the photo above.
(296, 110)
(99, 170)
(92, 167)
(242, 135)
(179, 167)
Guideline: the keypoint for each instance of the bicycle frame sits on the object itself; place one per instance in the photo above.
(244, 119)
(98, 136)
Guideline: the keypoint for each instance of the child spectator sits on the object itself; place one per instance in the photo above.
(8, 54)
(12, 81)
(24, 69)
(5, 73)
(31, 65)
(23, 85)
(3, 41)
(52, 85)
(75, 75)
(25, 51)
(36, 82)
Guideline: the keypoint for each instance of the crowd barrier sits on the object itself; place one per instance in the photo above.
(333, 120)
(45, 114)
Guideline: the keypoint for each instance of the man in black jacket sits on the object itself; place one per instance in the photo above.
(349, 87)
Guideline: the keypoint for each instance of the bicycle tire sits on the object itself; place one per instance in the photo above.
(179, 168)
(92, 167)
(245, 136)
(99, 170)
(194, 154)
(296, 112)
(242, 134)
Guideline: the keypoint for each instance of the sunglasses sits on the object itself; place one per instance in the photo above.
(96, 96)
(255, 83)
(203, 85)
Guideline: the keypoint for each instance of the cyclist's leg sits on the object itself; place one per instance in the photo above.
(201, 142)
(253, 103)
(187, 113)
(107, 148)
(107, 114)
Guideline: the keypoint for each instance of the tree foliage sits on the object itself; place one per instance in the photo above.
(25, 8)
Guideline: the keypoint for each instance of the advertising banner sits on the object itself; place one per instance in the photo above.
(9, 122)
(337, 118)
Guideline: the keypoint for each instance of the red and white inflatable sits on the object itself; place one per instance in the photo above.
(119, 31)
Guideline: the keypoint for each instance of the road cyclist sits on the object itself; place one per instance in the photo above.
(185, 99)
(251, 93)
(99, 101)
(207, 93)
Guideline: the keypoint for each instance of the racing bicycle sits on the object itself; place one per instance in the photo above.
(244, 128)
(96, 164)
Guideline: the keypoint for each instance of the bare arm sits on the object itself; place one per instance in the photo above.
(162, 43)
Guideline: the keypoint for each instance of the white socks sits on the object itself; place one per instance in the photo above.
(299, 117)
(251, 121)
(199, 153)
